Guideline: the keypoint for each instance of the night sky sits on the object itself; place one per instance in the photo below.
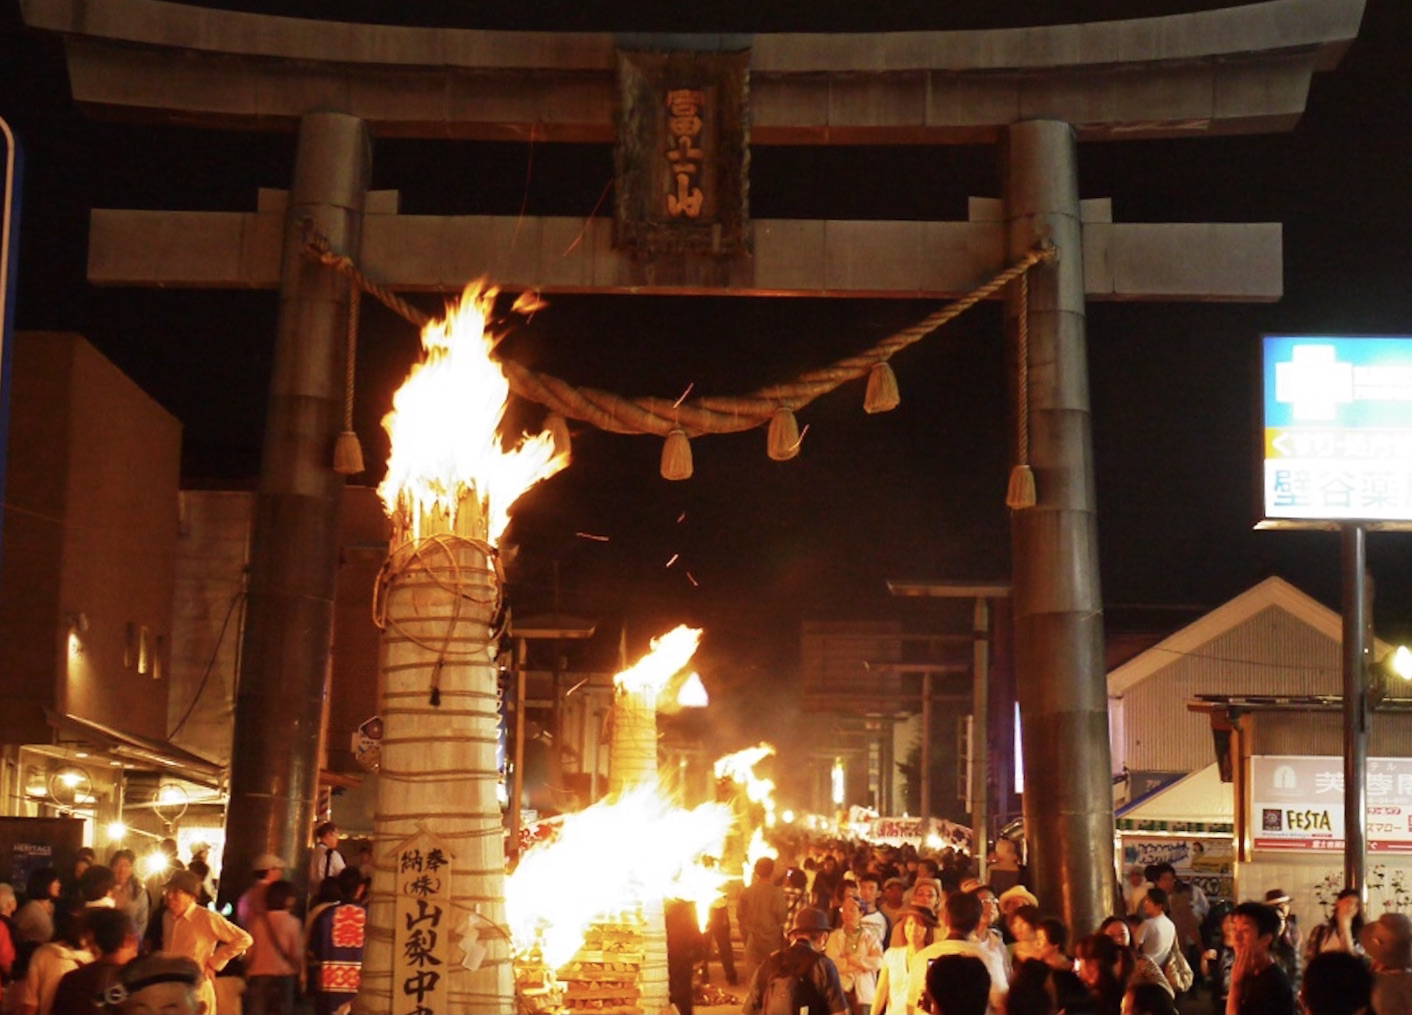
(916, 493)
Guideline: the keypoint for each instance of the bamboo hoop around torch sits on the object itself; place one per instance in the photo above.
(437, 598)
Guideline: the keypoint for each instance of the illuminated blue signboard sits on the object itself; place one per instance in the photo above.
(1337, 431)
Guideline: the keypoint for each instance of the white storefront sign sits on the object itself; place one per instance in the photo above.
(1297, 803)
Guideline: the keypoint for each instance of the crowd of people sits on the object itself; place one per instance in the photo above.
(882, 931)
(100, 938)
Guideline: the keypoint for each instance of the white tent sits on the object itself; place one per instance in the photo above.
(1197, 803)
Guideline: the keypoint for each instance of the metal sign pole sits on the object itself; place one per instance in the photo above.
(1355, 703)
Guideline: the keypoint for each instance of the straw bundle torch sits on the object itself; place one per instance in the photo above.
(436, 938)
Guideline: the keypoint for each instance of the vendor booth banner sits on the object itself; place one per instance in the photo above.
(1297, 803)
(1209, 861)
(934, 832)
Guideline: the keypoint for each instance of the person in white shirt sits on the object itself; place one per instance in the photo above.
(200, 934)
(962, 914)
(326, 861)
(1158, 934)
(987, 935)
(857, 953)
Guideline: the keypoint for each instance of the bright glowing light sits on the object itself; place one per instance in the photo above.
(70, 779)
(758, 847)
(445, 425)
(836, 782)
(117, 831)
(669, 654)
(933, 841)
(787, 817)
(693, 693)
(1402, 662)
(549, 903)
(152, 864)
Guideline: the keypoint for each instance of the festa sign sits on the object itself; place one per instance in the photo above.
(1297, 803)
(421, 925)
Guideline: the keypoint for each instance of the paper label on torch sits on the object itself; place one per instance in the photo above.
(421, 926)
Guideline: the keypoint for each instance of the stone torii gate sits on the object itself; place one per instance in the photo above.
(1034, 93)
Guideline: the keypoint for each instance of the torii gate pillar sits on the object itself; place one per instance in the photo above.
(1059, 667)
(276, 752)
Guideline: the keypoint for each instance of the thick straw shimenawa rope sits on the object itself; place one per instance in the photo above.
(708, 415)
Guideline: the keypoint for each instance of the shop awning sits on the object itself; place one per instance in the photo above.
(1198, 803)
(142, 752)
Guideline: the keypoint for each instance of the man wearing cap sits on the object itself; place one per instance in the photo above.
(268, 869)
(1387, 941)
(161, 983)
(801, 970)
(890, 904)
(200, 934)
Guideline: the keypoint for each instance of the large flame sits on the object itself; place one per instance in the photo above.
(740, 769)
(669, 654)
(445, 428)
(604, 862)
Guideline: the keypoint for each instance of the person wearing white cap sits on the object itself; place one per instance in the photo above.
(268, 869)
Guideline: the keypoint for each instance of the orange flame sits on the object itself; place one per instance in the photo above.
(549, 903)
(445, 425)
(669, 654)
(740, 769)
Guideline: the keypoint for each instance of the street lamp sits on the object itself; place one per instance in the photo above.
(1401, 662)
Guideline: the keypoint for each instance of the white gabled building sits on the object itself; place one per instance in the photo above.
(1268, 663)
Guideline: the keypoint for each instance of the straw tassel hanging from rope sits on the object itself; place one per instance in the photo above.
(348, 451)
(882, 394)
(1021, 493)
(676, 455)
(783, 435)
(715, 415)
